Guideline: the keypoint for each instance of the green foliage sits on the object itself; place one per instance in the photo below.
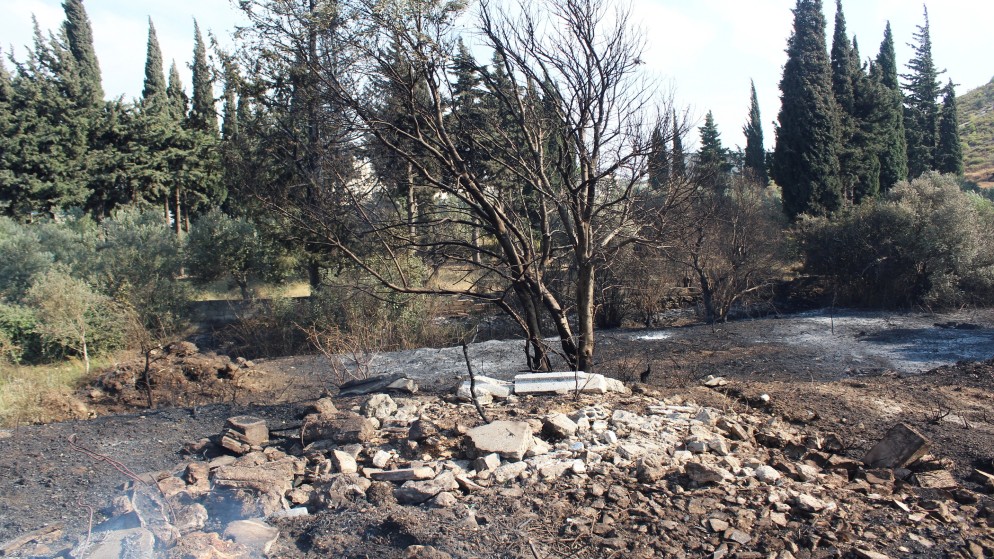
(18, 339)
(712, 166)
(921, 114)
(892, 143)
(976, 115)
(923, 243)
(755, 151)
(220, 247)
(806, 156)
(949, 152)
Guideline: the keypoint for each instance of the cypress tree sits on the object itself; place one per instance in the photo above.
(175, 96)
(79, 39)
(203, 114)
(864, 147)
(154, 92)
(229, 120)
(659, 159)
(949, 152)
(755, 152)
(843, 89)
(921, 116)
(891, 141)
(712, 166)
(805, 159)
(679, 162)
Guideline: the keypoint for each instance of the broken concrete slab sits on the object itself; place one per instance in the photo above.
(485, 386)
(559, 426)
(560, 383)
(900, 447)
(345, 428)
(510, 439)
(251, 430)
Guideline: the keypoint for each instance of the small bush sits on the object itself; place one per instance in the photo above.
(924, 243)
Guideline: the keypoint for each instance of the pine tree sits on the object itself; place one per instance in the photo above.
(755, 152)
(229, 120)
(891, 141)
(711, 166)
(678, 159)
(949, 152)
(79, 38)
(203, 114)
(805, 159)
(659, 159)
(154, 91)
(921, 115)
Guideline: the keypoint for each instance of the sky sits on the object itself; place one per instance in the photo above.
(705, 51)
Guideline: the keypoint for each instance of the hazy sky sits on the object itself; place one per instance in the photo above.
(705, 50)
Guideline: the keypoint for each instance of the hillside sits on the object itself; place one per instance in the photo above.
(976, 117)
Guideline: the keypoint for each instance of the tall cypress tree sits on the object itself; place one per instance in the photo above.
(891, 141)
(203, 113)
(154, 91)
(843, 88)
(921, 115)
(79, 39)
(678, 160)
(659, 158)
(949, 152)
(755, 152)
(868, 104)
(805, 159)
(175, 96)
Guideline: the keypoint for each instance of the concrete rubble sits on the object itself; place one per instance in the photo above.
(695, 481)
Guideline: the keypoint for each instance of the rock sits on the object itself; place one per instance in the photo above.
(444, 500)
(189, 518)
(712, 381)
(345, 428)
(381, 458)
(702, 473)
(343, 489)
(251, 430)
(809, 504)
(486, 387)
(198, 545)
(182, 349)
(558, 426)
(509, 471)
(738, 536)
(718, 525)
(422, 429)
(939, 479)
(649, 469)
(863, 553)
(486, 463)
(510, 439)
(417, 492)
(122, 544)
(984, 479)
(539, 447)
(900, 447)
(424, 552)
(404, 474)
(380, 406)
(324, 406)
(767, 474)
(735, 430)
(382, 383)
(256, 535)
(705, 416)
(343, 462)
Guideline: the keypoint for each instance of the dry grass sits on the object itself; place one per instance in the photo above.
(43, 393)
(222, 291)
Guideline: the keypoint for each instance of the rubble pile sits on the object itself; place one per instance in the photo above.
(631, 475)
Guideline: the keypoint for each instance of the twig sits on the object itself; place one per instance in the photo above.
(89, 527)
(472, 385)
(531, 544)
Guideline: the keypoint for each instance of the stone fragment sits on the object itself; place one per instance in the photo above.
(417, 492)
(938, 479)
(486, 387)
(425, 552)
(702, 473)
(444, 500)
(343, 462)
(382, 383)
(735, 430)
(767, 474)
(254, 534)
(712, 381)
(324, 406)
(738, 536)
(379, 406)
(345, 428)
(900, 447)
(404, 474)
(649, 469)
(122, 544)
(985, 479)
(381, 458)
(809, 504)
(539, 447)
(718, 525)
(559, 426)
(560, 382)
(488, 462)
(863, 553)
(248, 429)
(200, 545)
(509, 471)
(189, 518)
(510, 439)
(343, 489)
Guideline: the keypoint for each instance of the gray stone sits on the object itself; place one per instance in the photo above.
(381, 458)
(559, 382)
(738, 536)
(417, 492)
(404, 474)
(809, 504)
(767, 474)
(702, 473)
(254, 534)
(251, 430)
(444, 500)
(123, 544)
(486, 463)
(900, 447)
(649, 469)
(345, 428)
(422, 429)
(486, 388)
(558, 426)
(510, 471)
(380, 406)
(382, 383)
(510, 439)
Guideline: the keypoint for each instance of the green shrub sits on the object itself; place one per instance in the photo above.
(924, 243)
(18, 339)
